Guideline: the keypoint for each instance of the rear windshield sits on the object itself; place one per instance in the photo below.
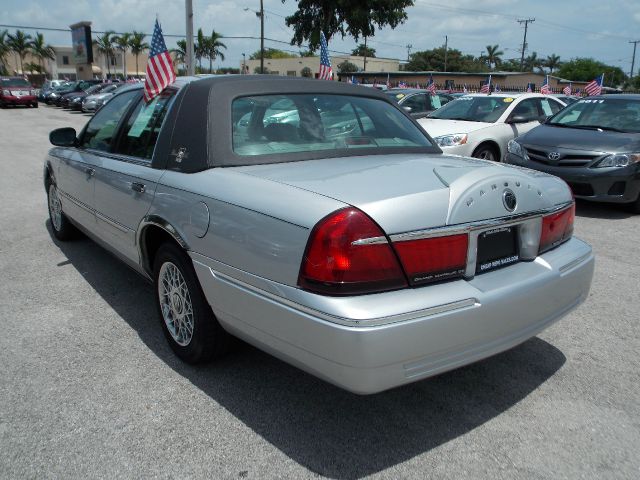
(474, 109)
(616, 114)
(274, 124)
(14, 82)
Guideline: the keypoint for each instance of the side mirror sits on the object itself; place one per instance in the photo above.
(544, 118)
(518, 119)
(407, 109)
(63, 137)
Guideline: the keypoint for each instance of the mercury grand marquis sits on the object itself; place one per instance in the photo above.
(320, 223)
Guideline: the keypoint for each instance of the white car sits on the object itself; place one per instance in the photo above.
(481, 125)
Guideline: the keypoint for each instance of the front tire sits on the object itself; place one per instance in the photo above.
(62, 228)
(191, 328)
(486, 152)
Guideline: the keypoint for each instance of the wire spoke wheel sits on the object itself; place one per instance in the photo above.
(55, 208)
(175, 303)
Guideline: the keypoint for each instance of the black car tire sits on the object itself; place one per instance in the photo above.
(35, 105)
(486, 152)
(208, 340)
(62, 228)
(634, 206)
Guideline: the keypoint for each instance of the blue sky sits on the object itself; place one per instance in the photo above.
(569, 29)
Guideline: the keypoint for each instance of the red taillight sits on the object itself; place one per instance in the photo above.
(556, 228)
(433, 259)
(347, 254)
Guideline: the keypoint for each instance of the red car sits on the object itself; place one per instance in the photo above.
(17, 91)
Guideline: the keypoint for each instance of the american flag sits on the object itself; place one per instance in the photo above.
(567, 90)
(529, 89)
(464, 88)
(326, 72)
(497, 89)
(544, 88)
(594, 87)
(160, 71)
(388, 81)
(431, 86)
(486, 86)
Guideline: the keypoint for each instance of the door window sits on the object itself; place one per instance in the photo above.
(140, 133)
(101, 130)
(554, 106)
(417, 103)
(527, 109)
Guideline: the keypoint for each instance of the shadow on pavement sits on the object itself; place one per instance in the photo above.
(327, 430)
(611, 211)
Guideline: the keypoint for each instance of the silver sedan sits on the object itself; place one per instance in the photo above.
(336, 235)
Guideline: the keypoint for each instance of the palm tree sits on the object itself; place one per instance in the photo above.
(180, 53)
(138, 45)
(42, 50)
(200, 48)
(121, 43)
(214, 46)
(552, 61)
(104, 44)
(531, 62)
(493, 56)
(20, 44)
(4, 49)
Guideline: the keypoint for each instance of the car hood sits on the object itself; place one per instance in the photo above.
(411, 192)
(579, 139)
(437, 127)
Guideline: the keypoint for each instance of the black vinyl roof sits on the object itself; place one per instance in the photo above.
(197, 133)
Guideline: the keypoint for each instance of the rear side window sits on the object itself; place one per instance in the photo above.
(101, 130)
(140, 133)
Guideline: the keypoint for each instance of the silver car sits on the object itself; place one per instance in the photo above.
(342, 241)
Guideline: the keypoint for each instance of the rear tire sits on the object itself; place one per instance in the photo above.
(188, 323)
(62, 228)
(634, 207)
(486, 152)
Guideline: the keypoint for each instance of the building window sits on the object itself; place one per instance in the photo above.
(274, 72)
(291, 73)
(65, 60)
(113, 60)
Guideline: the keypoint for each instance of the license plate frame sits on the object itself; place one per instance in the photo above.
(497, 248)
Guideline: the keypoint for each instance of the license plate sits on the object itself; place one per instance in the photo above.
(497, 248)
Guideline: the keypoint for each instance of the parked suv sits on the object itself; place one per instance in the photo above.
(17, 91)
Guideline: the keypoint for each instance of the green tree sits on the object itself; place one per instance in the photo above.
(362, 51)
(510, 65)
(137, 46)
(257, 70)
(121, 42)
(214, 48)
(42, 51)
(34, 67)
(306, 72)
(552, 62)
(104, 45)
(200, 47)
(271, 53)
(5, 49)
(493, 56)
(433, 60)
(531, 62)
(20, 43)
(180, 52)
(346, 17)
(586, 69)
(347, 67)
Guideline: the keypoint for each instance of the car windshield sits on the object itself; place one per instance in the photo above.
(14, 82)
(618, 114)
(109, 88)
(474, 109)
(276, 124)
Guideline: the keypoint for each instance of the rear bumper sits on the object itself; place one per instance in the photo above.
(371, 343)
(611, 185)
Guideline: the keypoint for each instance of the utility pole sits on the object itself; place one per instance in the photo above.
(189, 57)
(524, 42)
(446, 47)
(364, 69)
(409, 47)
(633, 60)
(261, 14)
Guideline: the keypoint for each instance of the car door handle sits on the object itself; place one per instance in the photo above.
(90, 171)
(138, 187)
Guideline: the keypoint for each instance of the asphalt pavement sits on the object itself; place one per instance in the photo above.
(90, 389)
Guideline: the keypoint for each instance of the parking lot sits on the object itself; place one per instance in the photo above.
(89, 388)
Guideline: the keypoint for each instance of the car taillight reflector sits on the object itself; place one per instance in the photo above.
(433, 259)
(347, 254)
(557, 227)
